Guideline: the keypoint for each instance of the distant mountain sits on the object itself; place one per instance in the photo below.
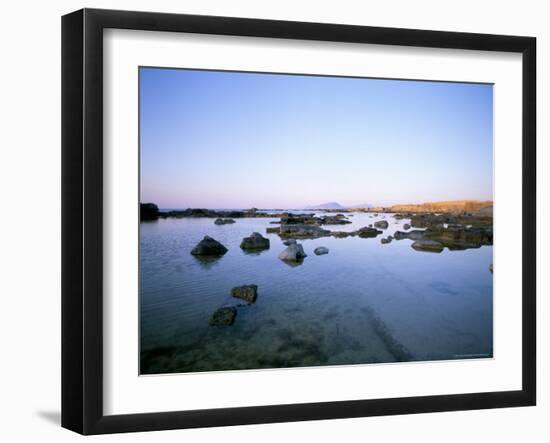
(330, 205)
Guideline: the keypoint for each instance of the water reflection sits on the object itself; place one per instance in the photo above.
(363, 302)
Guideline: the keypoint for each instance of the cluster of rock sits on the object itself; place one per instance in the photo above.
(309, 219)
(435, 220)
(453, 237)
(308, 227)
(225, 316)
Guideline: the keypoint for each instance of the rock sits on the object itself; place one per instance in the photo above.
(209, 246)
(224, 221)
(255, 242)
(289, 242)
(382, 224)
(293, 253)
(338, 219)
(148, 211)
(321, 250)
(302, 231)
(491, 268)
(223, 316)
(427, 246)
(298, 219)
(406, 226)
(386, 240)
(246, 292)
(272, 230)
(368, 232)
(370, 225)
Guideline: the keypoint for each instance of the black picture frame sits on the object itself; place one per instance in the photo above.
(82, 219)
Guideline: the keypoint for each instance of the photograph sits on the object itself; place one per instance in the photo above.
(291, 220)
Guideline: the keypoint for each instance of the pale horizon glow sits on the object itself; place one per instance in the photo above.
(215, 139)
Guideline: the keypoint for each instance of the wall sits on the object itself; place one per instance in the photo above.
(30, 245)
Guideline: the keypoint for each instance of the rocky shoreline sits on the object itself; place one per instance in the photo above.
(429, 232)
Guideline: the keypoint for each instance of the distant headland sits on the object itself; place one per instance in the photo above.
(150, 211)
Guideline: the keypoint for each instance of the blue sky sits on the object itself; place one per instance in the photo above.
(235, 140)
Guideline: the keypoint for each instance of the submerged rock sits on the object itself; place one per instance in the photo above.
(386, 240)
(209, 247)
(289, 242)
(427, 246)
(321, 250)
(382, 224)
(224, 221)
(246, 292)
(293, 253)
(272, 230)
(368, 232)
(406, 226)
(255, 242)
(223, 316)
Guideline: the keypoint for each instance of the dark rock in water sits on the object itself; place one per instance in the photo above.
(320, 250)
(246, 292)
(224, 221)
(298, 219)
(427, 246)
(413, 235)
(459, 237)
(386, 240)
(148, 211)
(406, 226)
(293, 253)
(289, 242)
(302, 231)
(223, 316)
(491, 268)
(209, 246)
(370, 225)
(255, 242)
(338, 219)
(382, 224)
(272, 230)
(368, 232)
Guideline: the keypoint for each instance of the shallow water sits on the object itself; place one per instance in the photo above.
(364, 302)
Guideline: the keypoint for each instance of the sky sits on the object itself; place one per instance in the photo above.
(213, 139)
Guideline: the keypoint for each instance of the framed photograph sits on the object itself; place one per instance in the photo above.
(268, 221)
